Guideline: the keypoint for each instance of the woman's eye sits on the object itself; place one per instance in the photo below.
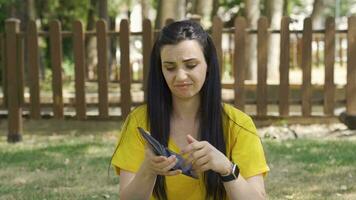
(170, 68)
(191, 66)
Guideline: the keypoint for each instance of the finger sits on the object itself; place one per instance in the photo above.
(158, 159)
(173, 173)
(193, 146)
(196, 155)
(162, 164)
(191, 139)
(170, 166)
(203, 168)
(199, 153)
(201, 162)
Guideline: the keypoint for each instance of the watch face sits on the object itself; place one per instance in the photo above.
(234, 174)
(235, 171)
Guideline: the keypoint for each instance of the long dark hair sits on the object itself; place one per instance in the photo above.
(159, 100)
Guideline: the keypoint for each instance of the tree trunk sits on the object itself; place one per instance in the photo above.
(203, 9)
(275, 10)
(103, 9)
(181, 11)
(252, 15)
(172, 9)
(214, 10)
(158, 15)
(29, 14)
(90, 43)
(145, 9)
(317, 15)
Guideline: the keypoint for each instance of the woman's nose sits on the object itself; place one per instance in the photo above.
(181, 75)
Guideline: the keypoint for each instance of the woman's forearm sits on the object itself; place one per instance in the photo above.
(241, 189)
(140, 187)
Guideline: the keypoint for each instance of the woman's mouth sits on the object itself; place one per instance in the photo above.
(183, 86)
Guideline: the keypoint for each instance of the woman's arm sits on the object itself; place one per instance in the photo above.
(129, 182)
(251, 188)
(140, 185)
(205, 157)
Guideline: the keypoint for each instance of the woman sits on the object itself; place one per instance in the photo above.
(184, 112)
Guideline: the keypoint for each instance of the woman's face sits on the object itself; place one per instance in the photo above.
(184, 68)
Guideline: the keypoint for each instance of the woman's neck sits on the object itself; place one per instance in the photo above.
(186, 109)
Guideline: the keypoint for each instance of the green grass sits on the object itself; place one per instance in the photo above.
(69, 160)
(311, 169)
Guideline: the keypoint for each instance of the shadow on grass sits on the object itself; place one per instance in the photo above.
(65, 127)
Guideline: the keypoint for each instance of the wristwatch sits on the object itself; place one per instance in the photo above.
(233, 175)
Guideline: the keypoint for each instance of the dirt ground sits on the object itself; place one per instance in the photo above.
(322, 131)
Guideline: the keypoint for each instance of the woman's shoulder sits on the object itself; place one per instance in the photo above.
(236, 119)
(140, 112)
(235, 114)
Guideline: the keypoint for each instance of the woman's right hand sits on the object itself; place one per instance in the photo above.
(160, 165)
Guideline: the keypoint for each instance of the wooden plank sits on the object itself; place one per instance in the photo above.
(306, 67)
(20, 68)
(262, 40)
(14, 109)
(240, 62)
(217, 39)
(125, 75)
(79, 61)
(102, 49)
(169, 21)
(284, 68)
(4, 70)
(351, 67)
(33, 72)
(146, 51)
(341, 54)
(329, 60)
(56, 62)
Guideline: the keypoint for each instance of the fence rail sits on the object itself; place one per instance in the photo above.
(12, 59)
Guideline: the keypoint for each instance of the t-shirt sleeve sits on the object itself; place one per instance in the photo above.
(129, 152)
(247, 150)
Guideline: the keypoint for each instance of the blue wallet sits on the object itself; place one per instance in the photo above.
(161, 150)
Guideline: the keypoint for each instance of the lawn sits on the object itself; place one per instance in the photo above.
(69, 160)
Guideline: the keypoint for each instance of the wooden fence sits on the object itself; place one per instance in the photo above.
(12, 50)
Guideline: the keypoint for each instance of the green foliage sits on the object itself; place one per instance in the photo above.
(4, 11)
(231, 3)
(64, 11)
(114, 5)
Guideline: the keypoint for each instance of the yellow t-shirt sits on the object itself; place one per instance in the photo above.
(243, 147)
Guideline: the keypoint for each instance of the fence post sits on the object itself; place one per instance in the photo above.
(351, 67)
(4, 70)
(103, 75)
(240, 62)
(125, 73)
(56, 61)
(216, 34)
(329, 59)
(284, 68)
(20, 67)
(32, 42)
(306, 67)
(79, 60)
(262, 38)
(146, 51)
(14, 109)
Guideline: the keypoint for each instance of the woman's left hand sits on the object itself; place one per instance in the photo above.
(205, 156)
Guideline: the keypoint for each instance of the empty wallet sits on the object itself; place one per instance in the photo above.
(161, 150)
